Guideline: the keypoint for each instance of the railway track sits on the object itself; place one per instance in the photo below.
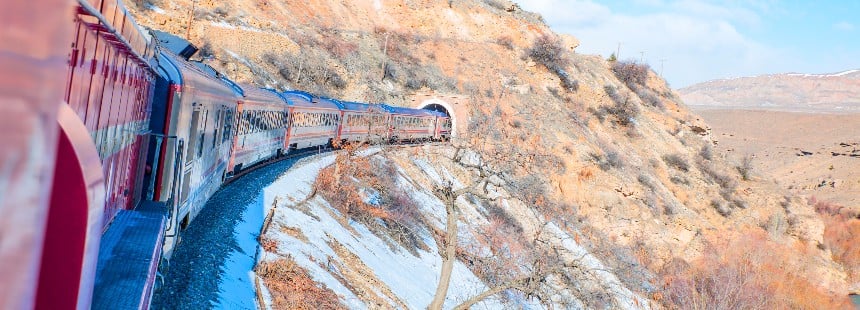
(224, 235)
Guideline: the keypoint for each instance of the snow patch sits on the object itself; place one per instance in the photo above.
(155, 8)
(411, 278)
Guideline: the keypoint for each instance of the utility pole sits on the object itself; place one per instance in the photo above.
(384, 54)
(642, 59)
(190, 18)
(662, 61)
(618, 51)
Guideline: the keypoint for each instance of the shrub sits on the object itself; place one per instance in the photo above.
(711, 173)
(679, 180)
(292, 287)
(707, 152)
(746, 270)
(497, 4)
(745, 168)
(606, 162)
(631, 73)
(347, 184)
(206, 51)
(531, 189)
(338, 47)
(308, 69)
(624, 110)
(506, 42)
(648, 97)
(841, 234)
(647, 181)
(548, 51)
(676, 161)
(722, 207)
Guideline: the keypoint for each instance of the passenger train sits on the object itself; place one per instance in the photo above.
(114, 140)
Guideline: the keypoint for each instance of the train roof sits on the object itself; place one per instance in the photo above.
(302, 99)
(358, 106)
(410, 111)
(177, 70)
(256, 94)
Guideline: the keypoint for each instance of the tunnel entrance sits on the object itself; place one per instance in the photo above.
(438, 108)
(439, 105)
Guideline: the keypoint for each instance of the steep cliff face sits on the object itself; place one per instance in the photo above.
(574, 138)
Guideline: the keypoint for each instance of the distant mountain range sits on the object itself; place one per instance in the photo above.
(787, 92)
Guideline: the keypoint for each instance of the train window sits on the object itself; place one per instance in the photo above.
(202, 131)
(271, 117)
(215, 137)
(243, 122)
(195, 121)
(228, 125)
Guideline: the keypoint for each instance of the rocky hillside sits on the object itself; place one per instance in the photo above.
(605, 152)
(836, 92)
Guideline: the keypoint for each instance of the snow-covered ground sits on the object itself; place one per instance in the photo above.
(404, 279)
(213, 268)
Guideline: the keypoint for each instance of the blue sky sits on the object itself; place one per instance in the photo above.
(701, 40)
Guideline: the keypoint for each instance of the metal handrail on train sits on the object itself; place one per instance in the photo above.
(177, 165)
(86, 6)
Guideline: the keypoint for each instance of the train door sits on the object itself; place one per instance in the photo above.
(288, 132)
(194, 150)
(238, 126)
(76, 71)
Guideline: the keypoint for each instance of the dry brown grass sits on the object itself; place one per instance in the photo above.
(841, 234)
(292, 288)
(352, 181)
(746, 270)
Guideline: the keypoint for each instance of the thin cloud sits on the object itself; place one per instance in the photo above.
(695, 41)
(843, 26)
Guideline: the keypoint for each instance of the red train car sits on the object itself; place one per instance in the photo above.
(261, 128)
(31, 93)
(110, 88)
(91, 163)
(314, 121)
(363, 123)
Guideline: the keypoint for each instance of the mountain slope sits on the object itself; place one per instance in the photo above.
(605, 151)
(789, 92)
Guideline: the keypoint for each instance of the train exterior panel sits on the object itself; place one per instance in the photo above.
(443, 127)
(411, 124)
(199, 111)
(261, 128)
(363, 123)
(32, 88)
(110, 87)
(313, 121)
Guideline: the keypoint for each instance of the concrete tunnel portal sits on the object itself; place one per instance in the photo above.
(439, 105)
